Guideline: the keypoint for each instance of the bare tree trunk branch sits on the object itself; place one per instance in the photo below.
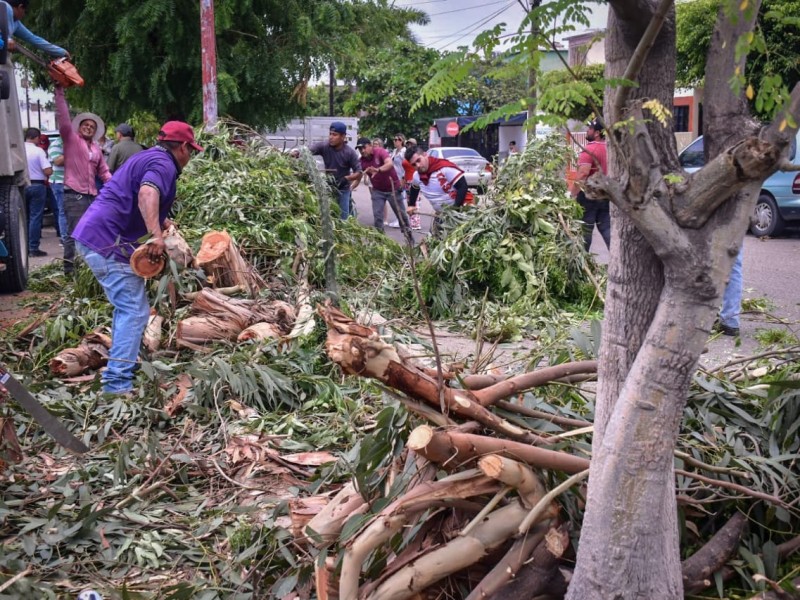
(639, 57)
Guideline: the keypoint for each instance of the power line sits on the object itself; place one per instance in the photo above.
(477, 25)
(466, 8)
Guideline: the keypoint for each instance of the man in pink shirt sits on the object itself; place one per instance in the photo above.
(83, 161)
(593, 159)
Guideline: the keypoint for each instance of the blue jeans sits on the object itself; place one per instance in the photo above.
(61, 216)
(345, 209)
(125, 290)
(36, 198)
(732, 298)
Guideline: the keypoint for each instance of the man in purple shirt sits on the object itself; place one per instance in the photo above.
(386, 186)
(134, 204)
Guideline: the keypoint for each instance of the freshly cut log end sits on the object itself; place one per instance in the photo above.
(143, 266)
(224, 265)
(69, 362)
(213, 246)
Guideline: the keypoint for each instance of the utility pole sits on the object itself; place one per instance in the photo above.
(331, 87)
(208, 43)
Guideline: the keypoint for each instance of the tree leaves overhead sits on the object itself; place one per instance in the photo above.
(145, 54)
(772, 64)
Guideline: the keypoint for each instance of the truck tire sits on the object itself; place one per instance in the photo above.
(5, 86)
(14, 235)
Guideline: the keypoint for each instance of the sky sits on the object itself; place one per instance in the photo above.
(455, 23)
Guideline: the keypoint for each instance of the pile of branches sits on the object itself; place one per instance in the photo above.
(470, 508)
(515, 262)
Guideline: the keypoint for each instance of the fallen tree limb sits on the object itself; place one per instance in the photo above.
(541, 573)
(449, 558)
(152, 333)
(507, 568)
(454, 450)
(732, 486)
(91, 353)
(392, 518)
(227, 291)
(699, 568)
(358, 350)
(326, 525)
(540, 414)
(505, 389)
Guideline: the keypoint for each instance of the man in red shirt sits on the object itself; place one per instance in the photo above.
(592, 159)
(386, 185)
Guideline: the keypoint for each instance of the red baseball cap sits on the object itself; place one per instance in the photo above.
(178, 131)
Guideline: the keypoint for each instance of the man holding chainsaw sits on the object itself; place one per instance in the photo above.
(83, 161)
(15, 10)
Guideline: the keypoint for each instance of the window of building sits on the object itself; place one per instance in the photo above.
(680, 115)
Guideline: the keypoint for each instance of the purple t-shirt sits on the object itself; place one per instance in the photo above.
(381, 181)
(112, 225)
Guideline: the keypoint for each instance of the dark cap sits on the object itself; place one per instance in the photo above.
(339, 127)
(595, 124)
(178, 131)
(124, 130)
(363, 141)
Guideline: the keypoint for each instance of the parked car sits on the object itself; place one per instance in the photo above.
(779, 199)
(477, 170)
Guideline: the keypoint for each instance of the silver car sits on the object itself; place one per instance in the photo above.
(477, 170)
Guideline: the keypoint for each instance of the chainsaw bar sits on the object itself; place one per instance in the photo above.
(41, 415)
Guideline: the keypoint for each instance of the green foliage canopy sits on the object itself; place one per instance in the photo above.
(772, 62)
(144, 55)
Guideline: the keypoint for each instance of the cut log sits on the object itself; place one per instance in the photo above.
(455, 450)
(224, 265)
(144, 266)
(200, 330)
(540, 574)
(517, 475)
(91, 353)
(152, 333)
(279, 313)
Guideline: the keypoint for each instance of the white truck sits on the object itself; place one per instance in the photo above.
(13, 177)
(304, 132)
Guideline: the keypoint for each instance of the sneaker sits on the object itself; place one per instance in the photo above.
(726, 329)
(394, 225)
(37, 253)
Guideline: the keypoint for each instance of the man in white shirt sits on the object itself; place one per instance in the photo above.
(39, 169)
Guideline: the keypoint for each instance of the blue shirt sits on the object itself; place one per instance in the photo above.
(17, 30)
(113, 225)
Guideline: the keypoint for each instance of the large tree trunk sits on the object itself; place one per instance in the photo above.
(671, 253)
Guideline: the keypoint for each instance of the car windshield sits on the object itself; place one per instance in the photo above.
(693, 157)
(453, 152)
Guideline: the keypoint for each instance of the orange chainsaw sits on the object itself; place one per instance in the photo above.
(61, 70)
